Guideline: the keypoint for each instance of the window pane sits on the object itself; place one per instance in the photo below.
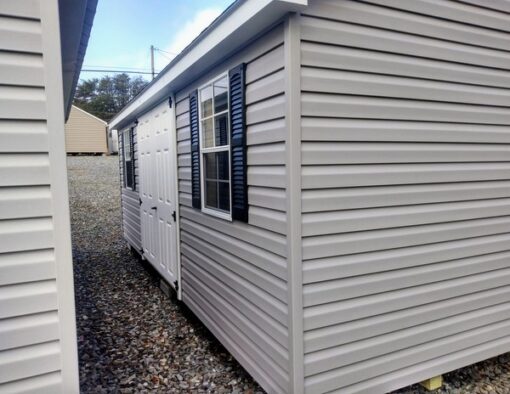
(216, 166)
(207, 133)
(223, 170)
(221, 128)
(210, 166)
(221, 95)
(224, 196)
(127, 145)
(128, 176)
(217, 185)
(206, 101)
(211, 194)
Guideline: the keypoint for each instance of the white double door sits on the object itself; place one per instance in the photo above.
(158, 190)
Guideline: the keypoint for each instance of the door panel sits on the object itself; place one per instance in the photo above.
(158, 194)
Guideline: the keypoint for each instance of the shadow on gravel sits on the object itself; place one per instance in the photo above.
(131, 337)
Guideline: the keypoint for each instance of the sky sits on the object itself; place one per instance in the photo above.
(124, 30)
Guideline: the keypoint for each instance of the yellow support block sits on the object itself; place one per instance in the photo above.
(433, 383)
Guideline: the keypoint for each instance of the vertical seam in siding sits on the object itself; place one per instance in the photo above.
(292, 59)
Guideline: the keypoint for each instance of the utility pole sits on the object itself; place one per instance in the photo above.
(152, 61)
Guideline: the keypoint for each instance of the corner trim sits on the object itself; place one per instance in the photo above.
(292, 59)
(50, 27)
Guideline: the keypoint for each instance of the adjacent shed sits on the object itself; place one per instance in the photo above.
(85, 133)
(42, 44)
(326, 184)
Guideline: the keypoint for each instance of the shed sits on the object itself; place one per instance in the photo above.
(113, 141)
(326, 185)
(42, 44)
(85, 133)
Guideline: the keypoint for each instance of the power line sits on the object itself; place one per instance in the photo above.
(116, 67)
(165, 56)
(170, 53)
(152, 62)
(118, 71)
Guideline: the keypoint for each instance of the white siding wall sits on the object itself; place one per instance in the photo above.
(37, 332)
(130, 199)
(234, 274)
(406, 198)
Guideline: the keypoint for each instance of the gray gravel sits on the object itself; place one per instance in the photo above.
(132, 338)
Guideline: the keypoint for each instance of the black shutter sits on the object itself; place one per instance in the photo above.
(195, 150)
(238, 144)
(132, 146)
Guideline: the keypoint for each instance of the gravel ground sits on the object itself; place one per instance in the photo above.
(132, 338)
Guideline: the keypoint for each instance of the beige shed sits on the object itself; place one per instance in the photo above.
(85, 133)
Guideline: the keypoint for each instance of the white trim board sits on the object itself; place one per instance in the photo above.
(60, 197)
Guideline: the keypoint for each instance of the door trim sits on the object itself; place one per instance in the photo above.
(173, 141)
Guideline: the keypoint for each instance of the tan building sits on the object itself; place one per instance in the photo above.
(85, 133)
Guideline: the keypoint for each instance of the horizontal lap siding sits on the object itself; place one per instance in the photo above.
(30, 350)
(131, 222)
(406, 176)
(234, 274)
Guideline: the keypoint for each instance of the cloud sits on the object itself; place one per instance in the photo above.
(186, 34)
(140, 59)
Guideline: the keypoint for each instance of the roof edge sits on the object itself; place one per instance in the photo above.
(76, 18)
(89, 114)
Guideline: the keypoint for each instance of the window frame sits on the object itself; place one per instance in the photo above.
(223, 148)
(129, 141)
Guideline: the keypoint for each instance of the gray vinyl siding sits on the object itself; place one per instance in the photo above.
(406, 198)
(234, 275)
(32, 348)
(131, 222)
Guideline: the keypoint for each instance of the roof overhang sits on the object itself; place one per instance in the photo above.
(240, 23)
(76, 17)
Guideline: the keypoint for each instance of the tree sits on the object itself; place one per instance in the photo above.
(105, 97)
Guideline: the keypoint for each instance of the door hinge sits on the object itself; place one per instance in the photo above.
(140, 200)
(176, 284)
(174, 216)
(170, 102)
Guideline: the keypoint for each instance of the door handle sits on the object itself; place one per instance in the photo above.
(154, 208)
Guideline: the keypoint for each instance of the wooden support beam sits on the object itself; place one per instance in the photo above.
(433, 383)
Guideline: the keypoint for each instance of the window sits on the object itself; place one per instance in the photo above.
(129, 167)
(218, 150)
(215, 147)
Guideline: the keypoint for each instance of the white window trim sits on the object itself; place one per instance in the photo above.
(225, 148)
